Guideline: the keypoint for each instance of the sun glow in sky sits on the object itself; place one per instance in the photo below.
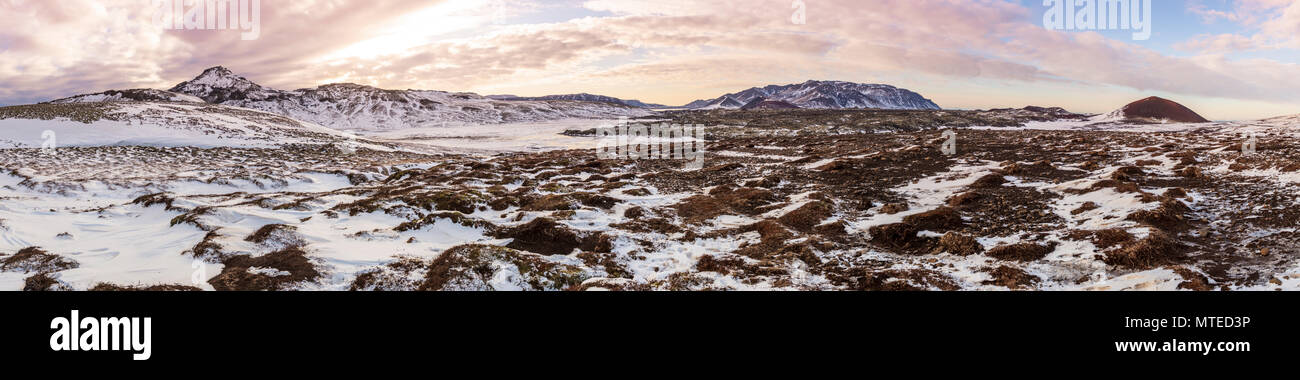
(409, 32)
(1227, 59)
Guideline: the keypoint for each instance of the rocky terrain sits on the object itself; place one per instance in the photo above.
(787, 200)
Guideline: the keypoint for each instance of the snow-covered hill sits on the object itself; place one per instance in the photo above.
(139, 95)
(584, 97)
(110, 123)
(725, 102)
(1152, 110)
(358, 107)
(825, 95)
(1288, 120)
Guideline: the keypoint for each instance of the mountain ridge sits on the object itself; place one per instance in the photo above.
(584, 97)
(350, 106)
(824, 95)
(157, 123)
(136, 94)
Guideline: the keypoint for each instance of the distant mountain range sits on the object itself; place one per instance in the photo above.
(1036, 113)
(349, 106)
(582, 98)
(811, 94)
(824, 95)
(360, 107)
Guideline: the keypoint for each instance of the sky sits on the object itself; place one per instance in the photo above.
(1226, 59)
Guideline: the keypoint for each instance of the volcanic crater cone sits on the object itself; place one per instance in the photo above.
(1157, 109)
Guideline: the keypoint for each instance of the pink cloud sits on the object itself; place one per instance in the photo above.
(59, 48)
(1272, 24)
(1247, 12)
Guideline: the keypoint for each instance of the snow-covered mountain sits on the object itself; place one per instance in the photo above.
(824, 95)
(725, 102)
(153, 123)
(359, 107)
(139, 95)
(584, 97)
(220, 85)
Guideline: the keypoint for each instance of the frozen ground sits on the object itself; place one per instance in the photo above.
(495, 138)
(507, 207)
(157, 124)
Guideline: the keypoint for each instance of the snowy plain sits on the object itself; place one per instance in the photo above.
(118, 241)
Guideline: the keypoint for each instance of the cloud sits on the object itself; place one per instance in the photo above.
(1219, 43)
(1270, 24)
(1248, 12)
(61, 48)
(672, 49)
